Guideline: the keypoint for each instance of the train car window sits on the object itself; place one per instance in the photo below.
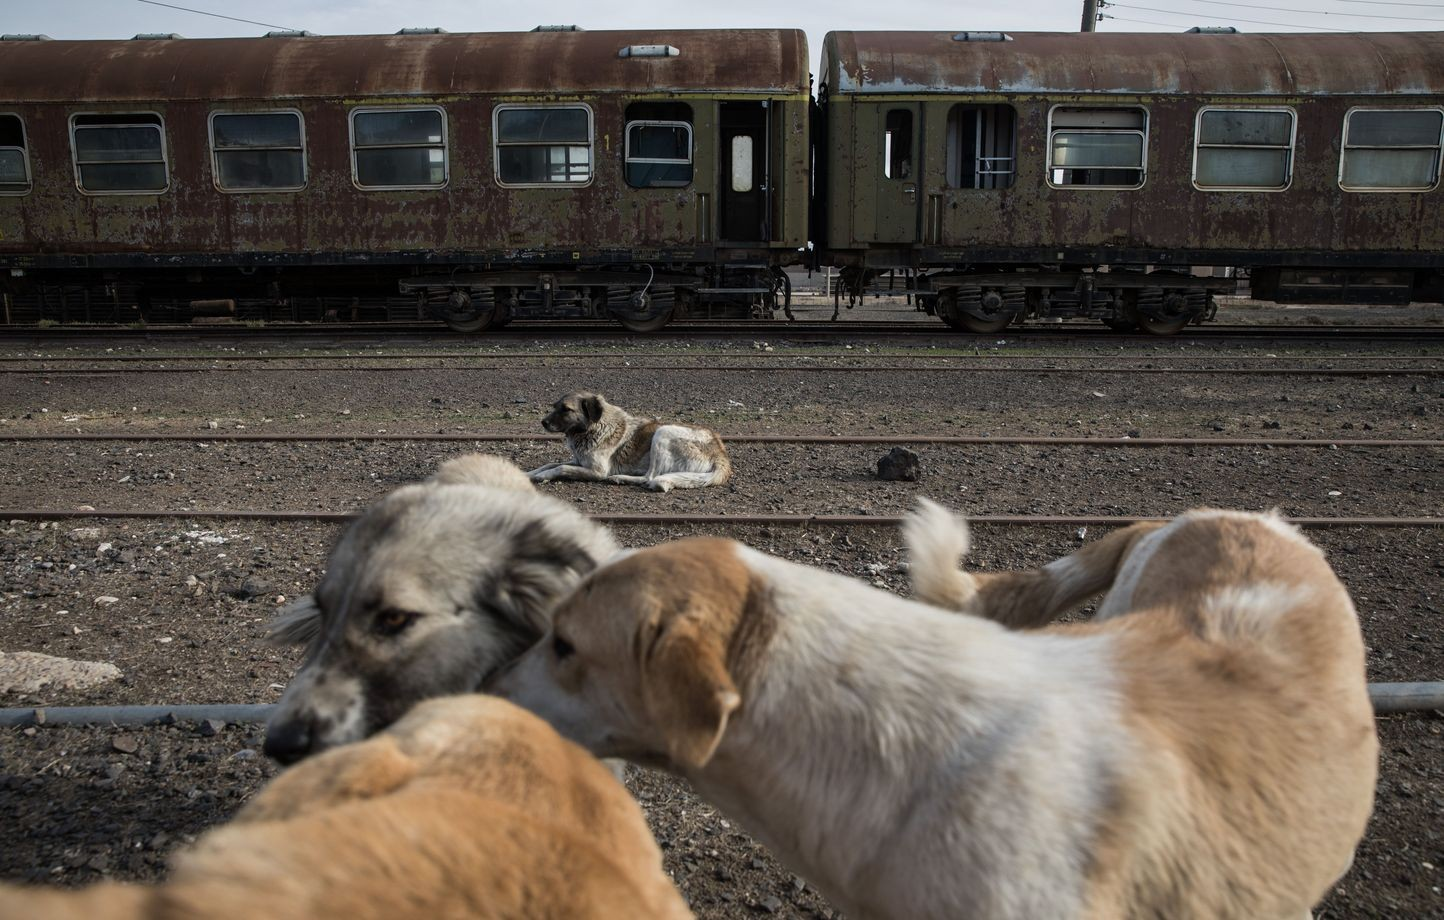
(659, 154)
(258, 151)
(1391, 150)
(1097, 147)
(742, 163)
(543, 146)
(1243, 149)
(119, 154)
(398, 148)
(897, 144)
(14, 157)
(981, 140)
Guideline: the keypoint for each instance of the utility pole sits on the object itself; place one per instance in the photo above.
(1090, 16)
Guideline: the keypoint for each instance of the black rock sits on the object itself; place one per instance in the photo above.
(900, 464)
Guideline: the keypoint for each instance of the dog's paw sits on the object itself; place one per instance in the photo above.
(657, 486)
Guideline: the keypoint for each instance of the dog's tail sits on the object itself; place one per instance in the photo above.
(483, 470)
(937, 540)
(104, 901)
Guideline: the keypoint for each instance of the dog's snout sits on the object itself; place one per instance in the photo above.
(290, 741)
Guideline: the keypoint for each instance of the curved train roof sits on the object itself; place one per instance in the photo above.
(720, 60)
(1365, 63)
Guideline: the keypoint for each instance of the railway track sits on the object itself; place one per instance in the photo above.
(527, 437)
(652, 520)
(780, 330)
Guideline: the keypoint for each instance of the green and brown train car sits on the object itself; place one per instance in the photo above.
(554, 173)
(1060, 174)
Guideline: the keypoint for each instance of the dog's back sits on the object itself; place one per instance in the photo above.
(467, 807)
(1241, 668)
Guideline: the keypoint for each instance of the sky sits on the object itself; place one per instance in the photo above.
(123, 18)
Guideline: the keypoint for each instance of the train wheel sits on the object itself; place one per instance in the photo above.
(469, 314)
(646, 325)
(963, 321)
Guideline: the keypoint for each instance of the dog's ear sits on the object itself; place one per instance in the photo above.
(543, 566)
(592, 406)
(298, 623)
(686, 688)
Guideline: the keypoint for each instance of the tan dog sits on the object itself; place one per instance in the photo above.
(468, 807)
(611, 445)
(1204, 751)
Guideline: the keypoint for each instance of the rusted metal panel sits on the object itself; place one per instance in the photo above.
(1401, 63)
(366, 66)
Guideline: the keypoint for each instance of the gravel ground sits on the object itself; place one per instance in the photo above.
(191, 597)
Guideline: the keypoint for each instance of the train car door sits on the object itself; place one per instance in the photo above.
(898, 128)
(746, 172)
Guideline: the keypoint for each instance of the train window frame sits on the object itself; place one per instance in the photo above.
(217, 151)
(1345, 147)
(628, 159)
(164, 150)
(997, 180)
(444, 146)
(897, 145)
(1292, 147)
(497, 144)
(24, 149)
(1115, 107)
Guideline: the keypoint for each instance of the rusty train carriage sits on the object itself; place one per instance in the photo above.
(1001, 171)
(485, 174)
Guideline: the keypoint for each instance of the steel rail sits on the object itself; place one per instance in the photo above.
(916, 354)
(1388, 698)
(769, 369)
(780, 520)
(519, 437)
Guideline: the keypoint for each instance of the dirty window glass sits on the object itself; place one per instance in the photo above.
(14, 168)
(742, 163)
(119, 153)
(897, 144)
(399, 148)
(544, 146)
(1391, 150)
(1097, 147)
(258, 151)
(659, 154)
(1244, 149)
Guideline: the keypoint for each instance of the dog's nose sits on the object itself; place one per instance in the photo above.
(289, 741)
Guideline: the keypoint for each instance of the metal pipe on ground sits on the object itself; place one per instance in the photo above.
(1387, 698)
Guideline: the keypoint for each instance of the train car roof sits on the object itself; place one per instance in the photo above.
(712, 60)
(1364, 63)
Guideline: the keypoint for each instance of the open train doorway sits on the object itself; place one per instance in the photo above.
(746, 172)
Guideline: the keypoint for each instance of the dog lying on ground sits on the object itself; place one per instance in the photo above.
(467, 807)
(610, 445)
(433, 588)
(1204, 750)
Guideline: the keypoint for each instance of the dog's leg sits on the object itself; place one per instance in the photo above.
(937, 540)
(569, 471)
(536, 474)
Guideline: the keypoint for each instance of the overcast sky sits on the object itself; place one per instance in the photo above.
(124, 18)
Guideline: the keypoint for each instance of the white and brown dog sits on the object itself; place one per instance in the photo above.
(466, 807)
(608, 444)
(1204, 749)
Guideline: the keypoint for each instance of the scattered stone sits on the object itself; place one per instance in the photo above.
(900, 464)
(248, 589)
(85, 534)
(126, 744)
(1272, 425)
(770, 904)
(244, 754)
(105, 600)
(32, 672)
(210, 728)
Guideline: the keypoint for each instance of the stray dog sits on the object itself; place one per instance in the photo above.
(1204, 750)
(432, 589)
(610, 445)
(466, 807)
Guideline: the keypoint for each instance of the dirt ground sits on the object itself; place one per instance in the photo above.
(191, 597)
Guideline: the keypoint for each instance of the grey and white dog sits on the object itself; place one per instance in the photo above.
(609, 444)
(435, 587)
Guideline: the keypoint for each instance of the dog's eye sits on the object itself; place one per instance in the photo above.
(562, 647)
(391, 622)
